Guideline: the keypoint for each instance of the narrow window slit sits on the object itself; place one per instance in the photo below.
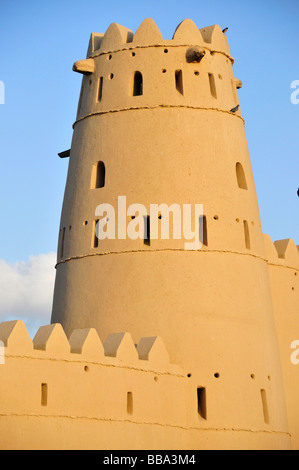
(201, 402)
(130, 403)
(95, 240)
(61, 242)
(100, 89)
(212, 85)
(246, 234)
(179, 81)
(265, 406)
(147, 230)
(203, 230)
(44, 394)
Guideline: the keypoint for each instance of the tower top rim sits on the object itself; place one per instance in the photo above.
(118, 37)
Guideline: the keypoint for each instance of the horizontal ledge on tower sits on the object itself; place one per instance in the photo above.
(162, 106)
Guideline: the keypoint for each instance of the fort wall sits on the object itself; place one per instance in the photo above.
(283, 266)
(78, 394)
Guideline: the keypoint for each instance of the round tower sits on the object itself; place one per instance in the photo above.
(159, 122)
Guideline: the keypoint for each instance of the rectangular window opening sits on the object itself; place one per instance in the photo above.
(44, 394)
(212, 85)
(203, 230)
(179, 81)
(246, 234)
(147, 230)
(201, 402)
(130, 403)
(137, 84)
(95, 240)
(98, 175)
(265, 406)
(61, 242)
(100, 89)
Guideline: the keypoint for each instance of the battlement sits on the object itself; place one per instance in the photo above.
(125, 71)
(51, 343)
(118, 38)
(78, 393)
(282, 252)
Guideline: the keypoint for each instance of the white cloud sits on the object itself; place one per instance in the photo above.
(26, 290)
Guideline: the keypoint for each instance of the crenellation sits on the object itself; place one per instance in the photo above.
(148, 34)
(87, 342)
(147, 40)
(153, 349)
(84, 345)
(94, 43)
(52, 339)
(282, 253)
(287, 250)
(121, 346)
(118, 37)
(115, 37)
(213, 35)
(15, 337)
(187, 32)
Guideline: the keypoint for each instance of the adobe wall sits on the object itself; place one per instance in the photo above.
(283, 267)
(176, 139)
(60, 394)
(79, 384)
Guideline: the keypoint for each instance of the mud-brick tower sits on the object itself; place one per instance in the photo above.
(158, 122)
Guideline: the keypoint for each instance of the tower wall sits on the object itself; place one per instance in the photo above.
(173, 137)
(283, 265)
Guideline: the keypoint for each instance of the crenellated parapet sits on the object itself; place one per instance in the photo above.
(282, 253)
(119, 350)
(118, 37)
(125, 71)
(53, 386)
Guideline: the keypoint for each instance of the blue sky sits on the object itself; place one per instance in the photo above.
(40, 41)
